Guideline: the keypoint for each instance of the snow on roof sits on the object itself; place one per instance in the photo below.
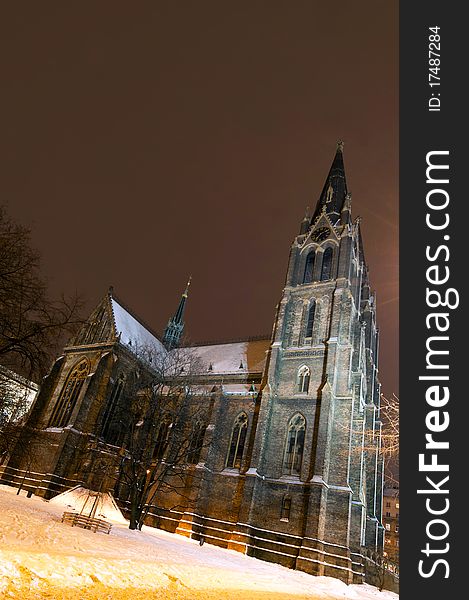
(133, 334)
(82, 501)
(236, 357)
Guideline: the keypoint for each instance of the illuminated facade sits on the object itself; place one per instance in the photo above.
(288, 450)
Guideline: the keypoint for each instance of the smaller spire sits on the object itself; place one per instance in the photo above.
(175, 327)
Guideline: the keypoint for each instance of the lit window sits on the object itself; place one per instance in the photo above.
(388, 527)
(310, 321)
(238, 438)
(326, 269)
(111, 427)
(308, 274)
(304, 375)
(195, 445)
(294, 446)
(397, 504)
(161, 440)
(69, 395)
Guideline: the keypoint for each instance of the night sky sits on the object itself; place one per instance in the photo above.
(147, 141)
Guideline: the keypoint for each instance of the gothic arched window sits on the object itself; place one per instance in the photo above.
(304, 375)
(161, 440)
(196, 442)
(238, 438)
(310, 320)
(111, 427)
(69, 394)
(294, 445)
(309, 266)
(326, 269)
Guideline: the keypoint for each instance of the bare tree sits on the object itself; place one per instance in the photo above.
(16, 397)
(384, 441)
(159, 425)
(31, 323)
(390, 437)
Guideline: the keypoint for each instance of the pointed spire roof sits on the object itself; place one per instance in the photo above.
(182, 303)
(173, 331)
(334, 191)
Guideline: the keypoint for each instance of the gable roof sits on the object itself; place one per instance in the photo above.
(131, 332)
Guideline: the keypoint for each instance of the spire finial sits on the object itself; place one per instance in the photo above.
(340, 145)
(186, 291)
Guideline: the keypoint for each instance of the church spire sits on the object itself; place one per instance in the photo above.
(175, 326)
(334, 192)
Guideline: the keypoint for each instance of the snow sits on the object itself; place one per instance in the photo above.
(82, 501)
(235, 357)
(133, 334)
(41, 557)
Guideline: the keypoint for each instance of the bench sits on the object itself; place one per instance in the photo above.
(77, 520)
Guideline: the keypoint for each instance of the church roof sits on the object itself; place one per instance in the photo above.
(233, 357)
(133, 334)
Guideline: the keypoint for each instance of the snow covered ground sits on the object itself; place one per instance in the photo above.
(40, 557)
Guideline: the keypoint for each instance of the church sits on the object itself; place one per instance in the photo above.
(287, 459)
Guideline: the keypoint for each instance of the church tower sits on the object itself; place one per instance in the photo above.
(316, 451)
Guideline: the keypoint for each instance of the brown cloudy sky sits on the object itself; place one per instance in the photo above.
(146, 141)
